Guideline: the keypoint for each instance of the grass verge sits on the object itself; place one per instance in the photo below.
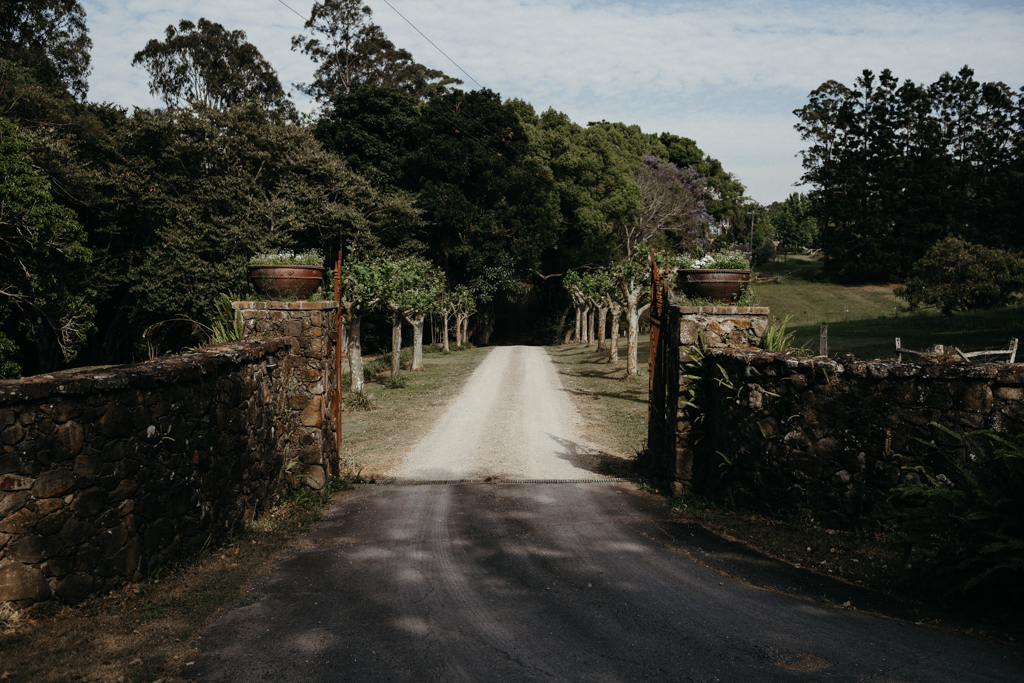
(614, 408)
(373, 441)
(144, 632)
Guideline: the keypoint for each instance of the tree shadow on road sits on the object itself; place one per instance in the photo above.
(593, 460)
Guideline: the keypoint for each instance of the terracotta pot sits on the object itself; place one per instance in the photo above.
(290, 281)
(720, 285)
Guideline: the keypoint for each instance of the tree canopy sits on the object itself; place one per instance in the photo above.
(50, 37)
(895, 166)
(41, 249)
(156, 213)
(206, 65)
(350, 50)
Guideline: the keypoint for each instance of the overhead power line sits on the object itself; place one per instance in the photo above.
(432, 43)
(293, 10)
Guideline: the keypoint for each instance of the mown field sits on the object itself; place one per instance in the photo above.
(866, 320)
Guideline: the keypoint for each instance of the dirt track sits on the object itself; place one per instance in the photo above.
(511, 420)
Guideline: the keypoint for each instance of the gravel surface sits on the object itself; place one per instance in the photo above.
(513, 419)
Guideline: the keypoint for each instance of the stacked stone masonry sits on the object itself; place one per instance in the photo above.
(309, 327)
(104, 475)
(831, 436)
(718, 326)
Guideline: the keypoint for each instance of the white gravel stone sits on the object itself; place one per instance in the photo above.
(513, 419)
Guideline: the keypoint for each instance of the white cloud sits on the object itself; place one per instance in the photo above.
(727, 74)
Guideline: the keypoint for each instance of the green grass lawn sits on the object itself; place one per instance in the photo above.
(865, 320)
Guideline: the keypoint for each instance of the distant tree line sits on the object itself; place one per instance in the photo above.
(896, 167)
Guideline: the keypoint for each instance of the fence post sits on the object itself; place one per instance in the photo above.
(823, 340)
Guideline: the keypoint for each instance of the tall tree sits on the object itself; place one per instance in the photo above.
(350, 50)
(375, 130)
(724, 193)
(207, 65)
(201, 191)
(50, 37)
(794, 225)
(488, 214)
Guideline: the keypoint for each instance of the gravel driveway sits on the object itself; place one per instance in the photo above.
(512, 420)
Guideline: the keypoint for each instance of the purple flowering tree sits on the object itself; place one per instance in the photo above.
(670, 200)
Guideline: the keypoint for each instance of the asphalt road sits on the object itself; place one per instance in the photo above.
(571, 582)
(558, 582)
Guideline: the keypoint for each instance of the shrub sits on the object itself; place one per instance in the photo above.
(227, 324)
(955, 275)
(969, 519)
(765, 252)
(359, 400)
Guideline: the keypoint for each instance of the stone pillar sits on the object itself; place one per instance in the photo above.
(311, 385)
(707, 327)
(719, 326)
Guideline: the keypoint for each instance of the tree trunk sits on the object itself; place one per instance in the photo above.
(417, 342)
(458, 329)
(591, 325)
(355, 352)
(613, 346)
(343, 337)
(632, 335)
(602, 321)
(465, 329)
(579, 324)
(445, 333)
(633, 294)
(396, 345)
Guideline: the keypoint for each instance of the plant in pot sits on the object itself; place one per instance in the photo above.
(286, 275)
(721, 277)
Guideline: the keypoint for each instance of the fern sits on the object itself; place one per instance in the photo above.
(227, 325)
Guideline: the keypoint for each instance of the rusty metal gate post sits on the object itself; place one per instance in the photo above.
(337, 353)
(656, 393)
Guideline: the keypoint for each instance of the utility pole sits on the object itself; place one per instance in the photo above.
(752, 214)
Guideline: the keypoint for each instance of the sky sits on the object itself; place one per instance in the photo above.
(727, 74)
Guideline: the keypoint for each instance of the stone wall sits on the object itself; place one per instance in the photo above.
(309, 327)
(719, 326)
(781, 433)
(104, 475)
(832, 435)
